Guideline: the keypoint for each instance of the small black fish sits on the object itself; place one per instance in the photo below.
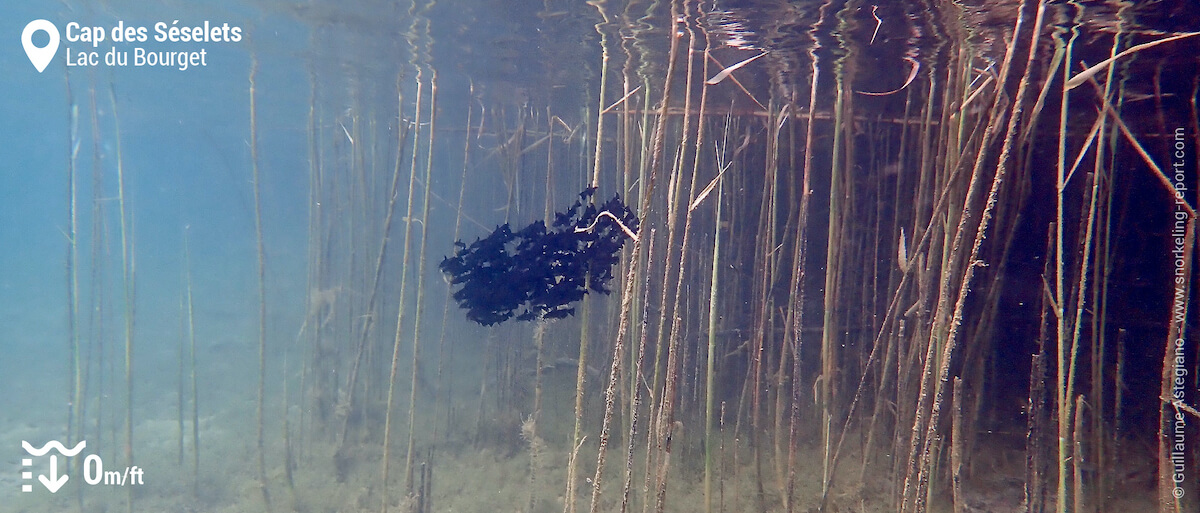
(538, 271)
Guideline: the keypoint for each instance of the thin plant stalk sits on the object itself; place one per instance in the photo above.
(610, 393)
(412, 178)
(956, 448)
(96, 308)
(973, 262)
(129, 274)
(74, 367)
(416, 351)
(656, 156)
(1077, 455)
(639, 360)
(920, 459)
(710, 367)
(262, 287)
(372, 299)
(289, 459)
(445, 397)
(180, 383)
(664, 422)
(1063, 397)
(191, 327)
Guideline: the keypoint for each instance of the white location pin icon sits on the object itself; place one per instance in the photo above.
(40, 57)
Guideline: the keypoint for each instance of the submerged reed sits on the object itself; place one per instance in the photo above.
(129, 274)
(925, 211)
(262, 287)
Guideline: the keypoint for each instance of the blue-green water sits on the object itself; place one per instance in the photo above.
(380, 133)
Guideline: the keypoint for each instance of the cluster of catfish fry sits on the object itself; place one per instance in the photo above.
(540, 271)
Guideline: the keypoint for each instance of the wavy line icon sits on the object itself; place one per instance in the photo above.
(53, 444)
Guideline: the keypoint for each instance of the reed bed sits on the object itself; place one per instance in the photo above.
(820, 309)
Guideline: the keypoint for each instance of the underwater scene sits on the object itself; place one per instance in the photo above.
(515, 256)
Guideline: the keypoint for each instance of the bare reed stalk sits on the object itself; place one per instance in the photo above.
(710, 386)
(581, 370)
(420, 306)
(445, 398)
(694, 198)
(412, 178)
(314, 246)
(529, 428)
(180, 383)
(763, 275)
(601, 103)
(1063, 395)
(96, 286)
(1167, 502)
(262, 286)
(666, 423)
(584, 336)
(1119, 385)
(928, 243)
(921, 458)
(1084, 272)
(973, 262)
(800, 261)
(638, 362)
(76, 393)
(289, 459)
(74, 367)
(1169, 416)
(772, 157)
(1035, 415)
(393, 194)
(656, 157)
(610, 393)
(191, 334)
(1087, 236)
(1101, 271)
(721, 155)
(129, 275)
(1077, 454)
(829, 346)
(577, 435)
(956, 447)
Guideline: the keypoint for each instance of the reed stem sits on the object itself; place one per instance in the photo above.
(956, 449)
(74, 367)
(262, 286)
(400, 311)
(129, 274)
(191, 335)
(639, 360)
(416, 351)
(710, 367)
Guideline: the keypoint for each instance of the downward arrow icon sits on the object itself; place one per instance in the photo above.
(55, 481)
